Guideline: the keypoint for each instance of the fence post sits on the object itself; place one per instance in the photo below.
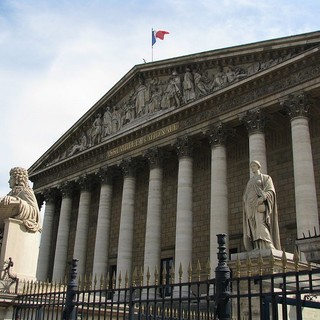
(222, 272)
(69, 312)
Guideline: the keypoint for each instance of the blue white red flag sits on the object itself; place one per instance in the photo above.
(158, 34)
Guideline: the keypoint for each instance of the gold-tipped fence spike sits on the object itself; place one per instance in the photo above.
(180, 272)
(134, 277)
(85, 281)
(106, 281)
(208, 269)
(101, 282)
(79, 282)
(190, 272)
(249, 266)
(156, 275)
(260, 263)
(148, 276)
(198, 270)
(113, 280)
(271, 260)
(238, 267)
(90, 281)
(172, 273)
(95, 281)
(296, 259)
(120, 279)
(141, 276)
(126, 280)
(164, 276)
(284, 260)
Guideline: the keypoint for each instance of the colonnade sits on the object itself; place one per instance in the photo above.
(254, 120)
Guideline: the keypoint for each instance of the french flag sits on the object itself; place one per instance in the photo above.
(158, 34)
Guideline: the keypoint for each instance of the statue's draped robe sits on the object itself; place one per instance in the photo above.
(257, 225)
(28, 210)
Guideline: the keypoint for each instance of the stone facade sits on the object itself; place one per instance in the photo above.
(194, 110)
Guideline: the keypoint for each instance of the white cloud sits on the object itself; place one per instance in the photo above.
(60, 57)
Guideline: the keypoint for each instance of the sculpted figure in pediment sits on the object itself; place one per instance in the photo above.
(220, 79)
(154, 104)
(96, 130)
(129, 111)
(107, 122)
(188, 86)
(116, 120)
(202, 84)
(20, 203)
(80, 146)
(141, 97)
(173, 92)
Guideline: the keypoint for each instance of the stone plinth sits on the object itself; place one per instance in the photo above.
(267, 261)
(310, 247)
(263, 263)
(22, 247)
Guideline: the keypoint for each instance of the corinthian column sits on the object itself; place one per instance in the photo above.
(100, 260)
(46, 237)
(183, 244)
(254, 121)
(61, 252)
(219, 190)
(305, 190)
(153, 224)
(124, 261)
(80, 243)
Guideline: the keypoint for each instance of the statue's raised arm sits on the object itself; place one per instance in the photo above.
(20, 203)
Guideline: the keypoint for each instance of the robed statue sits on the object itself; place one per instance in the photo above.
(20, 203)
(260, 213)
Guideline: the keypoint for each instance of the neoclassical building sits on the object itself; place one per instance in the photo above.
(157, 167)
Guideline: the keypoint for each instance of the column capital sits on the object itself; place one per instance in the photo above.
(254, 120)
(154, 157)
(128, 167)
(218, 134)
(297, 105)
(66, 189)
(184, 147)
(85, 182)
(49, 194)
(105, 175)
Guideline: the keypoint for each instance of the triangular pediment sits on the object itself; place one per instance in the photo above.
(152, 90)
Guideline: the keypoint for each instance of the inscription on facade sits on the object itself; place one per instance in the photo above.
(142, 140)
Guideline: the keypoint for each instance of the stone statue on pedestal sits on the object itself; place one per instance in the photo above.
(260, 214)
(20, 203)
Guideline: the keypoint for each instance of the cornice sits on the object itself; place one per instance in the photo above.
(236, 55)
(269, 82)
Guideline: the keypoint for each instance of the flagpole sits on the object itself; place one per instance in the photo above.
(151, 45)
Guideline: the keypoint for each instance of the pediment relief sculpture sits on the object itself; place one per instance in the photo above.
(159, 94)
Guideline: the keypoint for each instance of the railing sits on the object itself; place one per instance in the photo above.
(282, 295)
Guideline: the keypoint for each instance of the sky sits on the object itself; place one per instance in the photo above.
(59, 57)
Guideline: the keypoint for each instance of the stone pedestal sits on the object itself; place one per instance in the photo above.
(22, 247)
(251, 265)
(267, 261)
(310, 247)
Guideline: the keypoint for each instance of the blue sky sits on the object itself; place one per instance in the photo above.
(58, 57)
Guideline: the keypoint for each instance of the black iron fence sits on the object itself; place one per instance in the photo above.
(282, 295)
